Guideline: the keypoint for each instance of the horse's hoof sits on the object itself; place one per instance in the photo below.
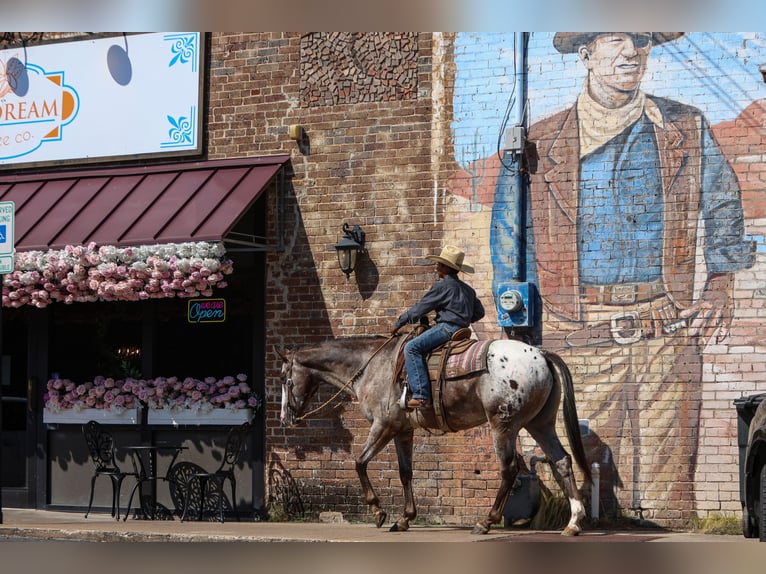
(400, 526)
(380, 518)
(479, 529)
(569, 531)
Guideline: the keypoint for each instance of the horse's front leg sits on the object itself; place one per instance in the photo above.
(404, 445)
(505, 448)
(378, 438)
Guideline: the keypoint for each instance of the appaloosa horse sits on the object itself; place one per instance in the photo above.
(521, 387)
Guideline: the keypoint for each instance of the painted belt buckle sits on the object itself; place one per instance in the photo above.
(623, 294)
(618, 331)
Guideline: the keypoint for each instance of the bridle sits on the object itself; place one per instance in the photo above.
(348, 386)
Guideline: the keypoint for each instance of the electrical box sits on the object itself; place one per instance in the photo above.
(514, 139)
(515, 304)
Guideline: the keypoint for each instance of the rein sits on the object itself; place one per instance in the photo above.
(347, 386)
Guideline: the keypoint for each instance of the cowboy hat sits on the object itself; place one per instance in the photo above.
(569, 42)
(452, 257)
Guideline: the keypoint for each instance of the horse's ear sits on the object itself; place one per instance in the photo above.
(282, 354)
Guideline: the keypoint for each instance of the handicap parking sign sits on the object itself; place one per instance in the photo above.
(7, 218)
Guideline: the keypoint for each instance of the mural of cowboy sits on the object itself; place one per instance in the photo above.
(634, 232)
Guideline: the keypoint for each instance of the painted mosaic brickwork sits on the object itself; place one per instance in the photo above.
(644, 232)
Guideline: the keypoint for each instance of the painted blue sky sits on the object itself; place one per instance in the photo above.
(717, 72)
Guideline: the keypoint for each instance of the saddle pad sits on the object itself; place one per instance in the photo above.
(473, 359)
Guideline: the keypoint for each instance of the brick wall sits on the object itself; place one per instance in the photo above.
(394, 123)
(369, 160)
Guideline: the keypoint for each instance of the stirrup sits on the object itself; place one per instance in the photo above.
(403, 398)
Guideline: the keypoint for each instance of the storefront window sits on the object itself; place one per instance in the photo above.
(90, 339)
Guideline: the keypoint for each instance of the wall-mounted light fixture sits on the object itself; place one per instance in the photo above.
(296, 132)
(349, 248)
(299, 135)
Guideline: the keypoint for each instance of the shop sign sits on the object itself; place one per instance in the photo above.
(206, 311)
(126, 96)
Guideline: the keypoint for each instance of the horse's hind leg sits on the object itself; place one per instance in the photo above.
(404, 444)
(377, 439)
(505, 448)
(561, 465)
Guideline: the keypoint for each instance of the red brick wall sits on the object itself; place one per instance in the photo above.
(370, 162)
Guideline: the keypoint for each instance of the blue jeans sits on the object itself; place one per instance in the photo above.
(415, 352)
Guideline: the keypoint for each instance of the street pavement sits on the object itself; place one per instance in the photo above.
(31, 524)
(68, 543)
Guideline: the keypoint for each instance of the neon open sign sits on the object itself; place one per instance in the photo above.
(206, 311)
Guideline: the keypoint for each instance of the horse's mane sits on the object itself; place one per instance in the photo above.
(339, 348)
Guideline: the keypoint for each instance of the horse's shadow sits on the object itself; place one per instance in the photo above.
(327, 432)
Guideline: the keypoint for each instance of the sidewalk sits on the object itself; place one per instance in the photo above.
(52, 525)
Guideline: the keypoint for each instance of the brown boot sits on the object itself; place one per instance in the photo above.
(418, 404)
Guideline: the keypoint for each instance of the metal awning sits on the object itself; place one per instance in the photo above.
(168, 203)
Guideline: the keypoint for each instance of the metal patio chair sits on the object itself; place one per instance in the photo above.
(205, 488)
(102, 452)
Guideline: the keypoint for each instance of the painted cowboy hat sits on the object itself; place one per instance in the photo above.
(452, 257)
(569, 42)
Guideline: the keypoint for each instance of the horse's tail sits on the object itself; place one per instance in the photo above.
(571, 421)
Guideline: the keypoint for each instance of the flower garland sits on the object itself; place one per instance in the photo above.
(107, 273)
(172, 394)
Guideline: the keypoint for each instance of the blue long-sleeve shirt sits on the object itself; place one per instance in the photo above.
(453, 300)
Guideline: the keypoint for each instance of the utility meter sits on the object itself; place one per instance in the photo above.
(515, 304)
(511, 300)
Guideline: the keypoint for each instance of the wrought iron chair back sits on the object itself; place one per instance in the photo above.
(101, 447)
(209, 485)
(235, 447)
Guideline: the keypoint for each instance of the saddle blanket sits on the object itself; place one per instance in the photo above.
(473, 359)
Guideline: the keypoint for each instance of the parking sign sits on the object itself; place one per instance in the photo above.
(7, 217)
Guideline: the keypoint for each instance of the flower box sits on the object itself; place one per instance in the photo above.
(190, 417)
(82, 416)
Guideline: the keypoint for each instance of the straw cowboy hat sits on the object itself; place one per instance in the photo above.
(452, 257)
(569, 42)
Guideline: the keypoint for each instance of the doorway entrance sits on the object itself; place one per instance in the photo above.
(19, 405)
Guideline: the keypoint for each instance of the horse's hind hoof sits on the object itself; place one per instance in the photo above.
(401, 525)
(569, 531)
(479, 529)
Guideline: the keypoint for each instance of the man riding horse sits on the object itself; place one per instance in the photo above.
(456, 306)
